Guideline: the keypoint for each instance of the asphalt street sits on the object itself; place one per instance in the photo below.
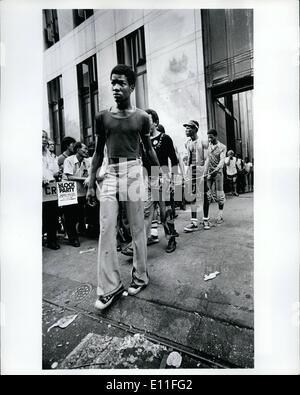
(208, 323)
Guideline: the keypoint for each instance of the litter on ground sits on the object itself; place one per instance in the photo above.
(174, 359)
(210, 276)
(84, 251)
(63, 322)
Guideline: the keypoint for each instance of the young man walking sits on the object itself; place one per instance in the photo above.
(120, 128)
(160, 193)
(213, 173)
(195, 149)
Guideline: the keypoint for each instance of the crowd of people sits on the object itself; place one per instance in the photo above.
(74, 219)
(130, 180)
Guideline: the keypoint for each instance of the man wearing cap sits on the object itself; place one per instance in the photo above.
(213, 172)
(195, 148)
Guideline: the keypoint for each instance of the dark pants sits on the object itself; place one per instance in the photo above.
(167, 207)
(216, 181)
(241, 182)
(74, 214)
(50, 220)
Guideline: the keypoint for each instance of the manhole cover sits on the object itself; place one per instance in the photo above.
(81, 292)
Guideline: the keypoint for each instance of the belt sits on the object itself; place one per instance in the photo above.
(113, 161)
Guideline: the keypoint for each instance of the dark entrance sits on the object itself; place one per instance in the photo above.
(233, 120)
(228, 58)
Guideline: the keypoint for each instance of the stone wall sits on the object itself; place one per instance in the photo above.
(175, 71)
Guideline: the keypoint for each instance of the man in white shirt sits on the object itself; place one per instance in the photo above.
(51, 173)
(76, 168)
(231, 171)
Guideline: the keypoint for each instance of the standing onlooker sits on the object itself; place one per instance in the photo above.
(240, 174)
(51, 148)
(51, 173)
(67, 147)
(76, 168)
(231, 171)
(248, 175)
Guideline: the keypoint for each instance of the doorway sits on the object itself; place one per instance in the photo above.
(233, 113)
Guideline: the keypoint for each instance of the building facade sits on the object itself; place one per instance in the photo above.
(228, 57)
(170, 50)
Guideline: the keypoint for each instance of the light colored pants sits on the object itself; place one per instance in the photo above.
(218, 181)
(123, 181)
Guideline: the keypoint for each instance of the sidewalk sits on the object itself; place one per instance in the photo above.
(212, 319)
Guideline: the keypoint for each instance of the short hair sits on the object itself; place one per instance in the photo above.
(123, 69)
(44, 131)
(153, 114)
(77, 146)
(160, 128)
(66, 141)
(213, 132)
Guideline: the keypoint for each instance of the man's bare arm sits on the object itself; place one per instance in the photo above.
(206, 165)
(70, 177)
(96, 161)
(222, 159)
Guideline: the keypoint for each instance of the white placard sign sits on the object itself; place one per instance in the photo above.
(67, 193)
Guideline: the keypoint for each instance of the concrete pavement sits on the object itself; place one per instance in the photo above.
(210, 319)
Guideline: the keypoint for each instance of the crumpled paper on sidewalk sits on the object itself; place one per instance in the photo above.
(210, 276)
(64, 322)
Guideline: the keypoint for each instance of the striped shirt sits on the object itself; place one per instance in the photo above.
(215, 157)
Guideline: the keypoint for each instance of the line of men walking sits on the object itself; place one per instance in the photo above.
(136, 152)
(121, 128)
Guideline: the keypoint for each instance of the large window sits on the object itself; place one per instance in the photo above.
(131, 51)
(80, 16)
(51, 34)
(56, 111)
(88, 97)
